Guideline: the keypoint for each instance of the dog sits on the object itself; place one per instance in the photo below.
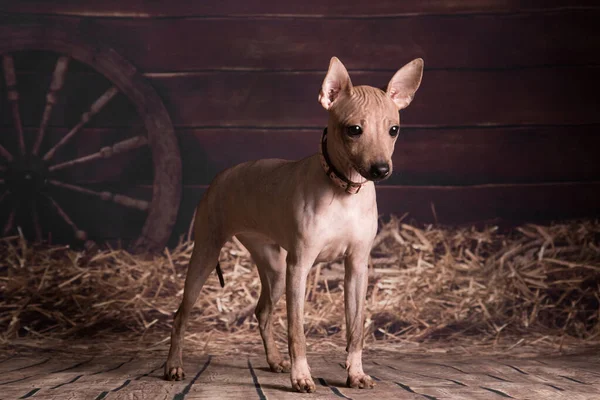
(292, 214)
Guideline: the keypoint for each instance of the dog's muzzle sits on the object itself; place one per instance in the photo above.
(379, 171)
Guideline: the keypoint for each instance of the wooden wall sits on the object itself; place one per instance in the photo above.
(504, 127)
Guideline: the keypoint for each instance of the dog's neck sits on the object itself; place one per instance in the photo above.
(338, 169)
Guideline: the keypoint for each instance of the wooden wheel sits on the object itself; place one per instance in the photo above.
(37, 181)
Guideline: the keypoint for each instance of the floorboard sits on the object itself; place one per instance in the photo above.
(57, 375)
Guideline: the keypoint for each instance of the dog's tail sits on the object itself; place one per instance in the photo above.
(220, 275)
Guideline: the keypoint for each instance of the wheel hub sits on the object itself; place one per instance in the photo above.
(26, 177)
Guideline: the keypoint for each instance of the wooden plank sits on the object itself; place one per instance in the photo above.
(519, 40)
(37, 368)
(566, 375)
(426, 379)
(57, 383)
(145, 9)
(224, 377)
(443, 156)
(123, 382)
(533, 391)
(472, 156)
(537, 96)
(463, 156)
(101, 382)
(489, 376)
(20, 365)
(545, 381)
(509, 204)
(446, 98)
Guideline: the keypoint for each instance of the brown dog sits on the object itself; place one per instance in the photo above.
(291, 214)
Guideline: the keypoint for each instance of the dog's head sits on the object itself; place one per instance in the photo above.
(364, 121)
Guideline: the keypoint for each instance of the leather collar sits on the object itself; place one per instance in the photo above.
(337, 177)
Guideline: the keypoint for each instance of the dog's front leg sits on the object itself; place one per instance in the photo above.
(355, 290)
(298, 266)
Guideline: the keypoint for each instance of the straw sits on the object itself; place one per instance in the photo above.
(532, 285)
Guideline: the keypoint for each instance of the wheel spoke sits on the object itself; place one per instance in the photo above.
(9, 223)
(58, 80)
(123, 200)
(6, 154)
(105, 152)
(13, 97)
(36, 222)
(85, 117)
(79, 234)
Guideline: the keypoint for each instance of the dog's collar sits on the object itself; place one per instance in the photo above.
(338, 178)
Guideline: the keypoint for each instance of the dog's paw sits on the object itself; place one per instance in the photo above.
(174, 373)
(281, 366)
(360, 381)
(304, 385)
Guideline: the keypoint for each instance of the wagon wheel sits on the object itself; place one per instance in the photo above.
(33, 175)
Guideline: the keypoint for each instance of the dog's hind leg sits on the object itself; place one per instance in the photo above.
(208, 243)
(270, 260)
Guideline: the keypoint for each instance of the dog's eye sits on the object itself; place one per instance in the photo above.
(354, 130)
(394, 130)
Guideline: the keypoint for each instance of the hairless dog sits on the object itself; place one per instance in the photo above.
(292, 214)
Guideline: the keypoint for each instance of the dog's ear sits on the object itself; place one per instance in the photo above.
(336, 82)
(405, 83)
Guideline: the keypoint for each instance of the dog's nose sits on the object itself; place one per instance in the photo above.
(379, 171)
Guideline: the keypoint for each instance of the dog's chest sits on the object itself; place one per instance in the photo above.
(343, 230)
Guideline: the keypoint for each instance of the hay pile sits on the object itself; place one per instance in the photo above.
(532, 284)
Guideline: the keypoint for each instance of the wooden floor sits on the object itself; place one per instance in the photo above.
(60, 376)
